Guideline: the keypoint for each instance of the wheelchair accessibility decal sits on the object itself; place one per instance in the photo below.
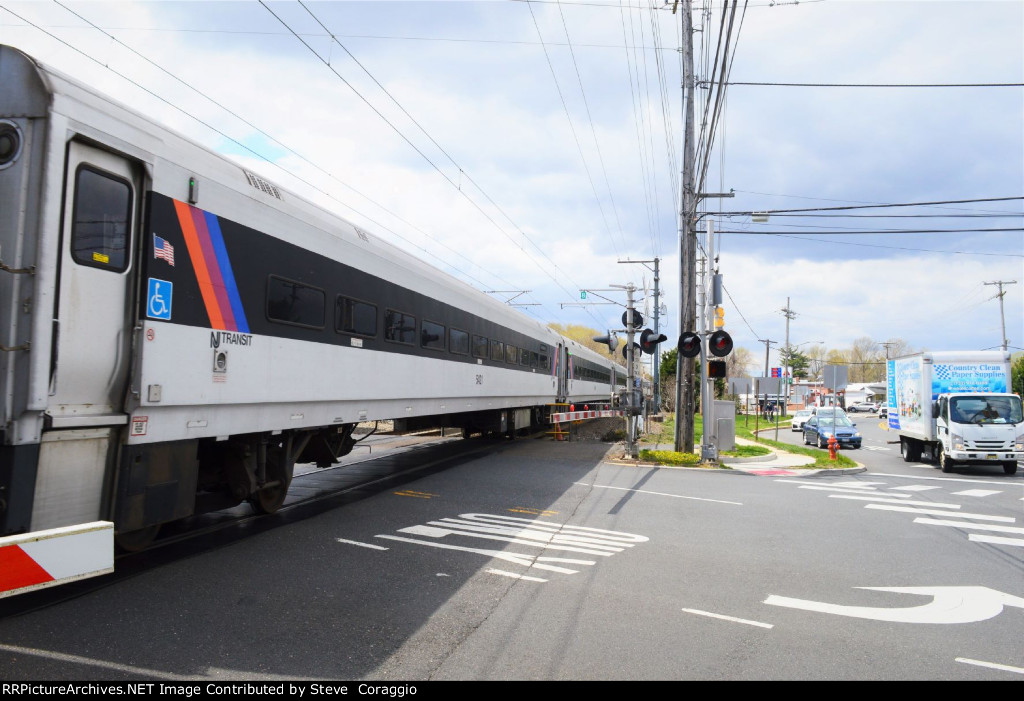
(158, 301)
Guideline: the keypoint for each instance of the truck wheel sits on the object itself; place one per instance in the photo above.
(1010, 467)
(945, 464)
(910, 450)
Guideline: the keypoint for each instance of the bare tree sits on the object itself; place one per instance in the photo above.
(739, 362)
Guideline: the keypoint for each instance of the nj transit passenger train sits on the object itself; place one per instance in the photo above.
(177, 332)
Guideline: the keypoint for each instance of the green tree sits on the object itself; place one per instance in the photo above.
(1017, 374)
(584, 336)
(669, 359)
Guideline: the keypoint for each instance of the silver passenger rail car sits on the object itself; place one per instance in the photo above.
(177, 331)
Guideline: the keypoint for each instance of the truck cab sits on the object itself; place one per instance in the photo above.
(979, 429)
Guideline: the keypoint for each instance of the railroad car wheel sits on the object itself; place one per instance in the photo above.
(279, 467)
(269, 500)
(135, 541)
(1010, 467)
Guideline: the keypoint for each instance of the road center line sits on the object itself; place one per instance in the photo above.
(660, 494)
(992, 665)
(729, 618)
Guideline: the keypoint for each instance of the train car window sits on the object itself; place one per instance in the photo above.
(101, 222)
(511, 354)
(290, 302)
(479, 347)
(524, 357)
(355, 317)
(432, 335)
(399, 327)
(534, 359)
(544, 357)
(458, 342)
(497, 351)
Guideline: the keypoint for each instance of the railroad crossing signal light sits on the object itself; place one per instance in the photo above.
(649, 341)
(716, 368)
(638, 319)
(720, 344)
(625, 350)
(611, 340)
(719, 317)
(689, 345)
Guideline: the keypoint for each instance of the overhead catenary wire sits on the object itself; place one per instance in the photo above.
(572, 128)
(262, 157)
(455, 185)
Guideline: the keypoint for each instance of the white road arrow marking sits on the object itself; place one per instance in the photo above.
(948, 605)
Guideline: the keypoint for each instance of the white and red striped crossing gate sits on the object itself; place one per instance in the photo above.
(588, 414)
(31, 561)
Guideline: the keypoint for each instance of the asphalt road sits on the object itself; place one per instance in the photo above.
(546, 561)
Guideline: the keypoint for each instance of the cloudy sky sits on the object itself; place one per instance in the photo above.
(531, 146)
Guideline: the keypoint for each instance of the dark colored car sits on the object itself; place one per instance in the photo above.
(819, 429)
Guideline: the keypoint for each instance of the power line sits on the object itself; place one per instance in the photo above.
(277, 141)
(896, 248)
(875, 206)
(879, 232)
(882, 85)
(442, 173)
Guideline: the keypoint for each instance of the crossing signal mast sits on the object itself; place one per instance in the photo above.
(632, 400)
(719, 345)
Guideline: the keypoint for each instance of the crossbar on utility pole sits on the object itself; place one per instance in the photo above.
(1002, 316)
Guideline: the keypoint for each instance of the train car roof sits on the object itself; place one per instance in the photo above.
(168, 154)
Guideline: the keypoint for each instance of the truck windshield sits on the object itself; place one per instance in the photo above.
(985, 410)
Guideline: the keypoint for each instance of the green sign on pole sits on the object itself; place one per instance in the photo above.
(583, 294)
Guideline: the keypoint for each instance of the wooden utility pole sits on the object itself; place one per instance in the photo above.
(1002, 316)
(687, 246)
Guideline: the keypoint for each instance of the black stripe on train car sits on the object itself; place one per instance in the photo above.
(257, 257)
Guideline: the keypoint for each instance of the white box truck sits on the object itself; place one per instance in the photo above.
(955, 408)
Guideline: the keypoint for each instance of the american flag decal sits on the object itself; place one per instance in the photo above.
(163, 250)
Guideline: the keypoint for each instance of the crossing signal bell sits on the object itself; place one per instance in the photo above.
(689, 345)
(720, 344)
(649, 341)
(716, 368)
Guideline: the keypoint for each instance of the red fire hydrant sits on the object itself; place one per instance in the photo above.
(833, 446)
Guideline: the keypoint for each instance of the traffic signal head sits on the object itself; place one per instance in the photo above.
(716, 368)
(649, 341)
(689, 344)
(720, 344)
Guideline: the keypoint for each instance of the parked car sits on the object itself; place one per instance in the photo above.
(819, 429)
(800, 418)
(883, 412)
(828, 411)
(869, 407)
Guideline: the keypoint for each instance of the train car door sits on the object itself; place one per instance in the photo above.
(92, 336)
(564, 373)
